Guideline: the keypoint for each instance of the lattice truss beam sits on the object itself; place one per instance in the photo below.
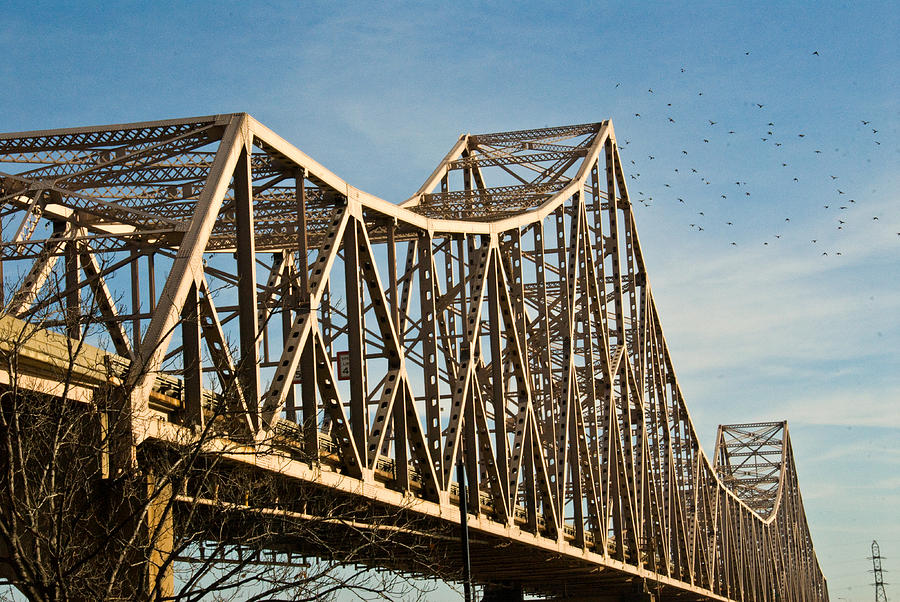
(500, 317)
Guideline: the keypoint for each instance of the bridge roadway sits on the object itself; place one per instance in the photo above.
(501, 318)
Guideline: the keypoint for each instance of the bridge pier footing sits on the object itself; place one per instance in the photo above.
(638, 592)
(642, 593)
(503, 593)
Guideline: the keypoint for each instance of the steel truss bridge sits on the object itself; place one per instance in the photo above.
(501, 318)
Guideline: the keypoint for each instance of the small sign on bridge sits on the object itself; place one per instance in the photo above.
(343, 365)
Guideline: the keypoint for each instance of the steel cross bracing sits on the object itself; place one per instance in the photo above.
(501, 317)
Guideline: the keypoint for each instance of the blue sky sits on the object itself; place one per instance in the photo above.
(765, 328)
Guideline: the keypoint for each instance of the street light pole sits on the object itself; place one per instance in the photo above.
(464, 532)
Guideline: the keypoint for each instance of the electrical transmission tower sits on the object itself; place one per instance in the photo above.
(880, 596)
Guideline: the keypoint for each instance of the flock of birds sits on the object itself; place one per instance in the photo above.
(844, 204)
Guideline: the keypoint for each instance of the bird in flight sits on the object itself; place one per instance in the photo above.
(864, 122)
(816, 53)
(711, 122)
(759, 105)
(650, 90)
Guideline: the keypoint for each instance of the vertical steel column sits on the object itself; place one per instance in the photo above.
(248, 368)
(497, 373)
(135, 298)
(393, 289)
(289, 302)
(2, 287)
(302, 241)
(308, 390)
(70, 283)
(429, 349)
(151, 280)
(400, 431)
(359, 423)
(545, 406)
(470, 442)
(191, 361)
(300, 301)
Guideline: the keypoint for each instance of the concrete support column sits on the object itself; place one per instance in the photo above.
(160, 529)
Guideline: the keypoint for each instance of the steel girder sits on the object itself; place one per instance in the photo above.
(500, 317)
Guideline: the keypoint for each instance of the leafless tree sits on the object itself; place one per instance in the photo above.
(197, 515)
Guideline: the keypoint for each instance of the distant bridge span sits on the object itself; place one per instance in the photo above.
(500, 317)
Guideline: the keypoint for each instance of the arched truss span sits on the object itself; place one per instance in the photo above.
(500, 317)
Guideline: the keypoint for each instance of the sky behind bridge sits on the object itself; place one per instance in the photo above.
(760, 143)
